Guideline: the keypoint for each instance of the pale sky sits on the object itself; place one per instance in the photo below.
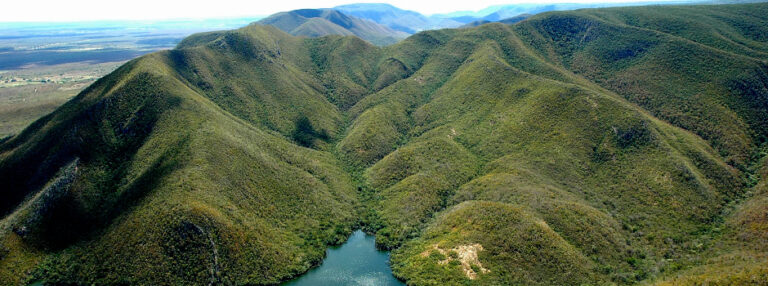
(87, 10)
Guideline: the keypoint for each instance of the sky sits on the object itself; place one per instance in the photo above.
(88, 10)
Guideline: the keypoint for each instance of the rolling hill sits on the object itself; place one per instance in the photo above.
(322, 22)
(508, 21)
(599, 146)
(396, 18)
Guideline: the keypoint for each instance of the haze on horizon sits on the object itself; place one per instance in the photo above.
(93, 10)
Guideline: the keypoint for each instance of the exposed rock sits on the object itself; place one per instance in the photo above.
(465, 254)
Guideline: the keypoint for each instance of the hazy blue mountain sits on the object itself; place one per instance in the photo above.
(508, 21)
(322, 22)
(396, 18)
(388, 15)
(412, 21)
(498, 12)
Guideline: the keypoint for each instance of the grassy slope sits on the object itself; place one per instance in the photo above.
(702, 68)
(204, 195)
(663, 201)
(522, 139)
(739, 257)
(318, 27)
(564, 152)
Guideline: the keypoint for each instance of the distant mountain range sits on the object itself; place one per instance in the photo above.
(396, 18)
(508, 21)
(383, 24)
(321, 22)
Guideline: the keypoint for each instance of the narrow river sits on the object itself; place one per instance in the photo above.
(356, 262)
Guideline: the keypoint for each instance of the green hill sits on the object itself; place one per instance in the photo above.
(603, 146)
(508, 21)
(739, 256)
(322, 22)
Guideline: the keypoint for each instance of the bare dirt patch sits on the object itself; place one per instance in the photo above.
(464, 254)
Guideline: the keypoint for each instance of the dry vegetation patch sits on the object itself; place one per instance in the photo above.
(464, 254)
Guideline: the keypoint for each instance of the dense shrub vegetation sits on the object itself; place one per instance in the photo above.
(602, 146)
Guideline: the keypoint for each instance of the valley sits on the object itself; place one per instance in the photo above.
(26, 95)
(598, 146)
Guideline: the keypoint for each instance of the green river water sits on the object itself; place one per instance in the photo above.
(356, 262)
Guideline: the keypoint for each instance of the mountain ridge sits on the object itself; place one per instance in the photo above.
(321, 22)
(242, 154)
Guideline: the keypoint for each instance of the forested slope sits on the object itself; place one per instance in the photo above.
(585, 147)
